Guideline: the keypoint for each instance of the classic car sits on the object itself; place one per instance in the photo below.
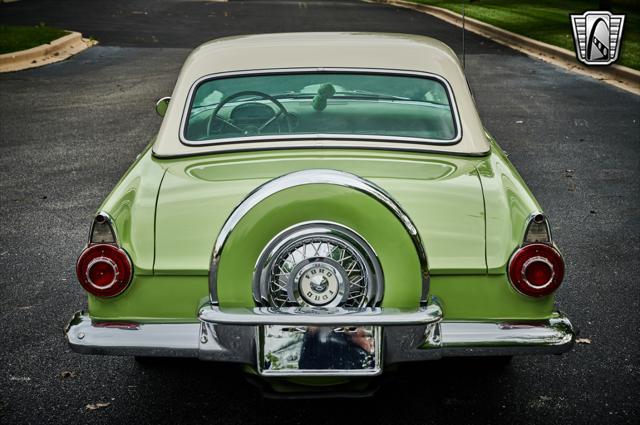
(318, 207)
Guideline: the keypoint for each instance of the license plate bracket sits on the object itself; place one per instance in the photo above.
(292, 350)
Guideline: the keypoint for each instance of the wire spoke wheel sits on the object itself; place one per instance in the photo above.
(318, 265)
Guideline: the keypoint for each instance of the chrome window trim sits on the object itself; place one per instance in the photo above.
(316, 176)
(321, 136)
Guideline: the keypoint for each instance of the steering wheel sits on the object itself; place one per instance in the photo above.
(281, 112)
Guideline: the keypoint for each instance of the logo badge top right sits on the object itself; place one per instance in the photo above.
(597, 37)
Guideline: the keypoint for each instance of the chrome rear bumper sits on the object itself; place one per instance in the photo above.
(230, 335)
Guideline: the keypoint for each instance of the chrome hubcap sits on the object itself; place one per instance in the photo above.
(318, 283)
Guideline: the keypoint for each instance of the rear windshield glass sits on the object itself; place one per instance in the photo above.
(320, 103)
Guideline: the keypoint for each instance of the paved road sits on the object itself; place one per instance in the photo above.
(68, 132)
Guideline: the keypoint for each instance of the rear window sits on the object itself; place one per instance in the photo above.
(321, 104)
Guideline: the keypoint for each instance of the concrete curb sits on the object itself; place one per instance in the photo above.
(617, 75)
(59, 49)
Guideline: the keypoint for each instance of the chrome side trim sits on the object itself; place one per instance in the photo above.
(317, 176)
(276, 71)
(320, 316)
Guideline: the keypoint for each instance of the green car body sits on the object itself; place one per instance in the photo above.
(172, 248)
(444, 224)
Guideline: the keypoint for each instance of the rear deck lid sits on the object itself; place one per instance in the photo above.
(441, 194)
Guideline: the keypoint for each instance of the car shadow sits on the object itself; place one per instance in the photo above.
(402, 395)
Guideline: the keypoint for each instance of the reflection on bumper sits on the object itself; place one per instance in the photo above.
(404, 340)
(319, 350)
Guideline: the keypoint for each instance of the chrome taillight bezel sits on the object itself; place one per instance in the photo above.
(537, 245)
(103, 246)
(529, 262)
(93, 263)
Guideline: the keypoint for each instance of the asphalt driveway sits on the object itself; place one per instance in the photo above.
(68, 132)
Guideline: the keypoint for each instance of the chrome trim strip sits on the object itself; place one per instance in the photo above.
(401, 343)
(320, 316)
(327, 144)
(316, 176)
(275, 71)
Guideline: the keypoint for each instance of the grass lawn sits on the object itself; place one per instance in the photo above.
(548, 20)
(15, 38)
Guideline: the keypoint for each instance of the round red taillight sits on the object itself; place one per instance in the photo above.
(104, 270)
(536, 269)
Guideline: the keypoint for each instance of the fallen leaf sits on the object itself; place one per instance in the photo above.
(96, 406)
(583, 341)
(67, 374)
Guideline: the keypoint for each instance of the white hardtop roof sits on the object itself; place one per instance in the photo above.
(319, 50)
